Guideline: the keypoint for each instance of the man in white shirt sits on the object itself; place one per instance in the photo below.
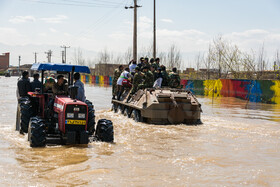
(132, 67)
(124, 76)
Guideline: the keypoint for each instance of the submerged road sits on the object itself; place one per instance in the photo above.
(238, 144)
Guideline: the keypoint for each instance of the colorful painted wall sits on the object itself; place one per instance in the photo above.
(265, 91)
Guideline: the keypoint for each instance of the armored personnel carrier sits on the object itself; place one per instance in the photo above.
(160, 106)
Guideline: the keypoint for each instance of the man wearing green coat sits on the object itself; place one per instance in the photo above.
(174, 79)
(148, 79)
(117, 74)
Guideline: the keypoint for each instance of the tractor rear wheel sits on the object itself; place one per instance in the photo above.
(25, 114)
(104, 131)
(37, 132)
(91, 117)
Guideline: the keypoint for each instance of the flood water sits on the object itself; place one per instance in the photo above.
(238, 144)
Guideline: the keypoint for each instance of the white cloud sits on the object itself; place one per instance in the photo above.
(52, 30)
(167, 20)
(11, 36)
(22, 19)
(57, 19)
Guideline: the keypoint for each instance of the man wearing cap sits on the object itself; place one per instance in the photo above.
(117, 74)
(148, 79)
(141, 64)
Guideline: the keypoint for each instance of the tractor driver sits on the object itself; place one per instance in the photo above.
(60, 87)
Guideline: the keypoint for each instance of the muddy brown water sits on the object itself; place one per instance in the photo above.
(238, 144)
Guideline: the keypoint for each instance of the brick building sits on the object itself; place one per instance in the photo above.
(106, 69)
(4, 61)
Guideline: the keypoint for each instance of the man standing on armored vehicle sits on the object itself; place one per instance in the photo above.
(137, 80)
(117, 74)
(165, 76)
(148, 79)
(156, 63)
(174, 79)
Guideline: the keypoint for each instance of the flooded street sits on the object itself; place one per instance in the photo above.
(238, 144)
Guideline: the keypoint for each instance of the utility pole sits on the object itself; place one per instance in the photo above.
(64, 53)
(134, 28)
(155, 46)
(18, 65)
(35, 57)
(49, 55)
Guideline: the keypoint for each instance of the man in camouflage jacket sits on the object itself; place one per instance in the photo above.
(148, 79)
(174, 79)
(117, 74)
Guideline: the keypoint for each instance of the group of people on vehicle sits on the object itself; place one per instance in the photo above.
(145, 74)
(59, 87)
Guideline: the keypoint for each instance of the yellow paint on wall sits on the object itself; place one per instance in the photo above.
(90, 79)
(276, 89)
(101, 80)
(212, 87)
(83, 78)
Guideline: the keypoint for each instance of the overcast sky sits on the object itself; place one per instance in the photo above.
(29, 26)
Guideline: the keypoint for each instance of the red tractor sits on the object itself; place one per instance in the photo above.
(59, 119)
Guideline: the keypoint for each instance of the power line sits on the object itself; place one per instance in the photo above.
(76, 3)
(94, 26)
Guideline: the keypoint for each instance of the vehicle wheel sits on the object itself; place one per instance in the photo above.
(127, 113)
(137, 116)
(25, 114)
(37, 132)
(104, 131)
(115, 108)
(120, 110)
(91, 117)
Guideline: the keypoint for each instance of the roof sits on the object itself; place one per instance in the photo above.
(60, 67)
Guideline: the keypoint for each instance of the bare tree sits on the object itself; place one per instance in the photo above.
(78, 57)
(174, 58)
(104, 57)
(128, 55)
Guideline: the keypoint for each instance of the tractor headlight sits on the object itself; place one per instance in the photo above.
(81, 115)
(70, 115)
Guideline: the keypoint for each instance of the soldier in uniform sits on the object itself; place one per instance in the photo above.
(174, 79)
(148, 79)
(137, 80)
(156, 63)
(117, 74)
(165, 76)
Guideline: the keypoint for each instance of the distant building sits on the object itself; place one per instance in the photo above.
(106, 69)
(4, 61)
